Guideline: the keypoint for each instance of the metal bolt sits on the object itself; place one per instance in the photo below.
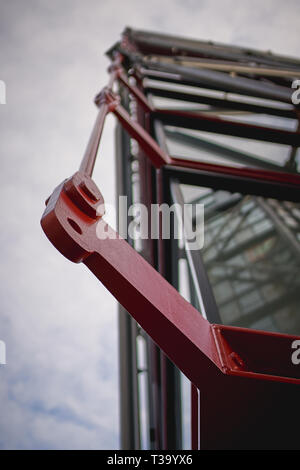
(89, 191)
(238, 360)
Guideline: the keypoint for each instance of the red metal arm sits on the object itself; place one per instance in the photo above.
(72, 224)
(242, 374)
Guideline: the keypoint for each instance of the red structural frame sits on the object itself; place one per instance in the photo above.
(244, 379)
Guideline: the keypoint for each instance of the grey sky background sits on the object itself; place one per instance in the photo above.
(59, 388)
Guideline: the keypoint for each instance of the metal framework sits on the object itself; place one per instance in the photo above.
(229, 109)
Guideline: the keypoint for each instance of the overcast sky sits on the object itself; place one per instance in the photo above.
(59, 388)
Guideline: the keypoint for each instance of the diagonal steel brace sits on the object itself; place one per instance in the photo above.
(73, 222)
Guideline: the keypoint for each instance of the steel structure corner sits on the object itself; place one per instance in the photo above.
(245, 389)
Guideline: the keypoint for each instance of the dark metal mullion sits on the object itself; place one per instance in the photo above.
(147, 192)
(129, 397)
(152, 43)
(201, 282)
(172, 255)
(170, 375)
(226, 83)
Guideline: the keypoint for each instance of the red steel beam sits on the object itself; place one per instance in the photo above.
(236, 370)
(142, 99)
(227, 364)
(77, 230)
(157, 156)
(246, 172)
(72, 225)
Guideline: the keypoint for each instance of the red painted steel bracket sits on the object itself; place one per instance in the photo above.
(73, 223)
(235, 370)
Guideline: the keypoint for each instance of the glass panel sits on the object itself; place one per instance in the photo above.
(228, 150)
(167, 103)
(211, 93)
(259, 119)
(252, 256)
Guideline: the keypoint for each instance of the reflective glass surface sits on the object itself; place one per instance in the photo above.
(252, 258)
